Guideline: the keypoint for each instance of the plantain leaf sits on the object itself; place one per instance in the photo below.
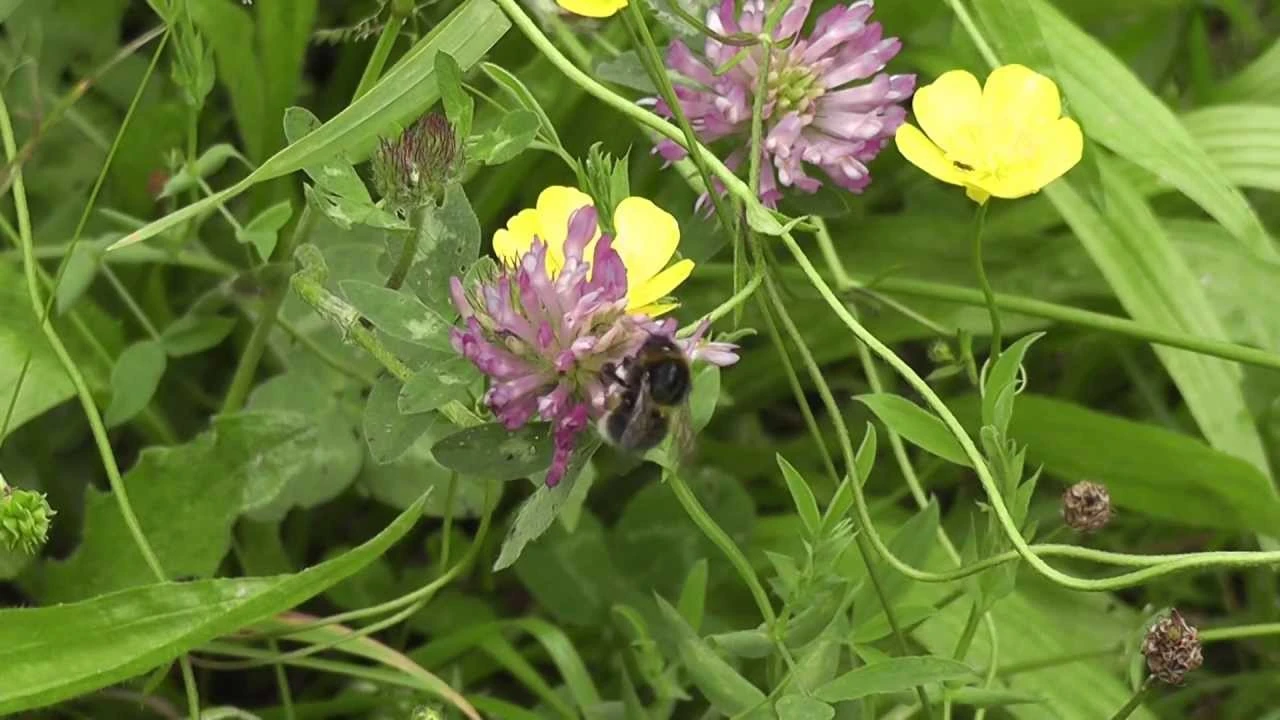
(53, 653)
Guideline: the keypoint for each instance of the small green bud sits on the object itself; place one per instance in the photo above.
(24, 519)
(606, 179)
(427, 713)
(413, 170)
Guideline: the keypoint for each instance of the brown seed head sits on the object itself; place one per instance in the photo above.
(1172, 648)
(1086, 506)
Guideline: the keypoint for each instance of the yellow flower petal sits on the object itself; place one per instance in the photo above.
(1017, 99)
(592, 8)
(922, 153)
(555, 205)
(646, 238)
(516, 239)
(949, 111)
(658, 286)
(656, 309)
(1063, 148)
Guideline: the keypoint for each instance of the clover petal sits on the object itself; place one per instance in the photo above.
(949, 110)
(592, 8)
(659, 286)
(927, 156)
(647, 237)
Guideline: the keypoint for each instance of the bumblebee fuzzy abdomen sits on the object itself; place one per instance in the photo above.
(634, 424)
(669, 382)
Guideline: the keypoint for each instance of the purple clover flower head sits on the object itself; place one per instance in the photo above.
(544, 335)
(828, 104)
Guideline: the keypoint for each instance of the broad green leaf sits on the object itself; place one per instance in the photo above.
(800, 707)
(508, 139)
(390, 432)
(801, 497)
(62, 651)
(626, 70)
(893, 675)
(397, 313)
(1243, 139)
(992, 697)
(692, 603)
(915, 424)
(912, 544)
(1117, 110)
(653, 517)
(1258, 82)
(459, 108)
(1156, 286)
(46, 383)
(401, 481)
(1040, 621)
(192, 334)
(445, 378)
(537, 513)
(82, 268)
(571, 574)
(209, 162)
(449, 247)
(185, 498)
(1147, 469)
(400, 96)
(726, 690)
(134, 380)
(520, 93)
(318, 465)
(491, 450)
(264, 229)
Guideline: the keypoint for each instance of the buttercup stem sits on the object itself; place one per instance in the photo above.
(980, 220)
(1134, 701)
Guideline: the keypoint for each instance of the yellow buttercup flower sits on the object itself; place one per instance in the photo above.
(592, 8)
(646, 238)
(1007, 138)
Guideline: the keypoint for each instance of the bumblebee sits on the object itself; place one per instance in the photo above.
(648, 394)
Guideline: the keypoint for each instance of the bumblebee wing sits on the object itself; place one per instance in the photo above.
(682, 440)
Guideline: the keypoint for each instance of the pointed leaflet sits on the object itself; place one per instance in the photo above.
(915, 424)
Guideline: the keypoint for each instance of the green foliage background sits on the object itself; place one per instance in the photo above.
(333, 529)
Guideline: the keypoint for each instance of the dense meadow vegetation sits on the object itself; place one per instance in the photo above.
(639, 359)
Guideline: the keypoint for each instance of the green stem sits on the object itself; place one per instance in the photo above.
(1242, 631)
(837, 417)
(409, 250)
(980, 219)
(1065, 314)
(96, 426)
(282, 683)
(381, 51)
(242, 380)
(1134, 702)
(127, 298)
(725, 307)
(651, 57)
(970, 629)
(731, 551)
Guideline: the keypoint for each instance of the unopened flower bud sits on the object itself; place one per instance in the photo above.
(412, 170)
(1086, 506)
(1172, 648)
(24, 519)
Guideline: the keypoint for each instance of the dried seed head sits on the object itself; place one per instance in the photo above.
(413, 169)
(1086, 506)
(24, 519)
(1172, 648)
